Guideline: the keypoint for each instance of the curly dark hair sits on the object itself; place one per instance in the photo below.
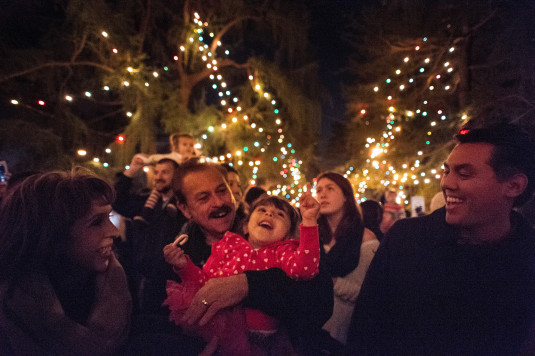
(37, 216)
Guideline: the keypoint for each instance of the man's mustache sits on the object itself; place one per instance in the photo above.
(224, 209)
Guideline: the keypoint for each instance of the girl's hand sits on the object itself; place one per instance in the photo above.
(309, 208)
(175, 256)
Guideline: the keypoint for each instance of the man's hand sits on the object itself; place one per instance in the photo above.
(138, 161)
(174, 255)
(216, 294)
(309, 208)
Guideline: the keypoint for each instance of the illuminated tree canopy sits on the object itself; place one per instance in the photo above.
(423, 70)
(234, 74)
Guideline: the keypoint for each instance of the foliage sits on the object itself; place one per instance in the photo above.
(140, 69)
(40, 149)
(422, 70)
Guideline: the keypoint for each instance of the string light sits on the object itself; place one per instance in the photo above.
(196, 42)
(385, 172)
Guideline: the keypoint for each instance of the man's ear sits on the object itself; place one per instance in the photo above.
(185, 210)
(516, 185)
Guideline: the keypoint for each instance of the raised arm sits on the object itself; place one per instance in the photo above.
(126, 203)
(303, 263)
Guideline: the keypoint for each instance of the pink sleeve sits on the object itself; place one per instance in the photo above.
(191, 273)
(214, 262)
(303, 262)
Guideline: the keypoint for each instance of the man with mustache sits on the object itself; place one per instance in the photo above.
(460, 281)
(153, 222)
(205, 198)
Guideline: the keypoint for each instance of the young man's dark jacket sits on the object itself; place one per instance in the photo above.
(148, 231)
(428, 292)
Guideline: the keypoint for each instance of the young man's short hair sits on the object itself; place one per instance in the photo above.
(513, 152)
(168, 160)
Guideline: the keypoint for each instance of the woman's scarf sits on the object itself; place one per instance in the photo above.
(32, 319)
(344, 256)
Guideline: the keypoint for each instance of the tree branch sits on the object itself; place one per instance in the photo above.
(143, 28)
(105, 116)
(195, 78)
(226, 28)
(80, 48)
(56, 64)
(482, 22)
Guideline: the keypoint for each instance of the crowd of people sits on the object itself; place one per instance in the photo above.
(204, 268)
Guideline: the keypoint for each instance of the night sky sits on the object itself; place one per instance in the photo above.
(326, 36)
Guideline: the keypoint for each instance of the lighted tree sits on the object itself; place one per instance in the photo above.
(228, 72)
(410, 116)
(423, 72)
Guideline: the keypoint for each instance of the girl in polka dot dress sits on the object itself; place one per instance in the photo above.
(270, 226)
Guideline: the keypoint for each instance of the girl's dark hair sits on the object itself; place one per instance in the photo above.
(344, 255)
(252, 194)
(37, 216)
(281, 204)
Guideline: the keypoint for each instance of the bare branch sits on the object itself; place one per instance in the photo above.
(194, 79)
(80, 48)
(226, 28)
(105, 116)
(519, 117)
(144, 26)
(482, 22)
(518, 97)
(56, 64)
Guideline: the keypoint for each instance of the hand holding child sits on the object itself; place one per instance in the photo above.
(309, 208)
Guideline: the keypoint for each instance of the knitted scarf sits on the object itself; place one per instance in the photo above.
(32, 320)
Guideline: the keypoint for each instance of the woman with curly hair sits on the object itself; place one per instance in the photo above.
(62, 291)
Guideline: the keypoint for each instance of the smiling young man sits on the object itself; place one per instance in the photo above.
(153, 221)
(460, 281)
(206, 199)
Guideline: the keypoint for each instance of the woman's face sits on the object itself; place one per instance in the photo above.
(92, 238)
(234, 184)
(330, 197)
